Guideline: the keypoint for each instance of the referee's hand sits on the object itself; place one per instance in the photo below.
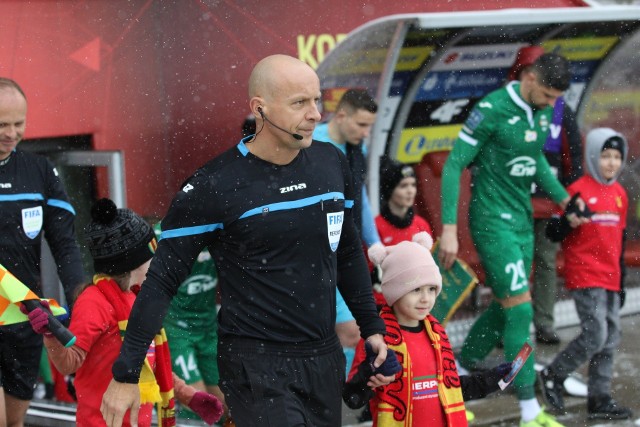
(119, 398)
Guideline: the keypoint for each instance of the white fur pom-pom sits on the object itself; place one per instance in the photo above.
(377, 253)
(424, 239)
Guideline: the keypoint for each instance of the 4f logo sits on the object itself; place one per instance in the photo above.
(187, 188)
(447, 111)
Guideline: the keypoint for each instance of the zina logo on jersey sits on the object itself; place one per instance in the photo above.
(293, 187)
(522, 166)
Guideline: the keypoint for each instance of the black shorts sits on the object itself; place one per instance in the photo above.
(275, 385)
(20, 353)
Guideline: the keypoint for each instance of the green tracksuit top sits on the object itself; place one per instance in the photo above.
(503, 137)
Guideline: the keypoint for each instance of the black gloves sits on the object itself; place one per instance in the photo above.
(559, 228)
(389, 367)
(479, 384)
(356, 392)
(503, 369)
(572, 208)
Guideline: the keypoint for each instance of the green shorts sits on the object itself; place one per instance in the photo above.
(506, 256)
(194, 353)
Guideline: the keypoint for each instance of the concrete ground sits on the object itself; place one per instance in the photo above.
(501, 409)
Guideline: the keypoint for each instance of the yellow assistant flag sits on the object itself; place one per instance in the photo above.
(12, 292)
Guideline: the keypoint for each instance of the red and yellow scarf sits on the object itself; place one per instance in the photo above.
(394, 403)
(154, 387)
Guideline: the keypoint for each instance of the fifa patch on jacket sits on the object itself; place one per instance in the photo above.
(32, 221)
(334, 228)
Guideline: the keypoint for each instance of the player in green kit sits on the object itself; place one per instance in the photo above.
(192, 328)
(502, 139)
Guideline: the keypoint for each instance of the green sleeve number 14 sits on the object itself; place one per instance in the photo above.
(186, 366)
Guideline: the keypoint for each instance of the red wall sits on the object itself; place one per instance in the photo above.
(165, 81)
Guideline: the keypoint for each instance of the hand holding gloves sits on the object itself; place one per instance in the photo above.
(356, 392)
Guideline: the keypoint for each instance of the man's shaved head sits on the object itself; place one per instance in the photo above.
(284, 94)
(268, 74)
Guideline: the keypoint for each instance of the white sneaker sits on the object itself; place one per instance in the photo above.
(574, 385)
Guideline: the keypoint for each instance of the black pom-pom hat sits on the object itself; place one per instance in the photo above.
(119, 240)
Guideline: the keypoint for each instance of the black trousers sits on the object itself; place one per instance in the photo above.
(282, 385)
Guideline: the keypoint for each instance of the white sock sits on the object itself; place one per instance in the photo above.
(529, 409)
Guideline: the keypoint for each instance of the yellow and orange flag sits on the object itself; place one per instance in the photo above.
(12, 291)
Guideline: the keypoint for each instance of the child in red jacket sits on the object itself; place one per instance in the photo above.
(121, 245)
(593, 254)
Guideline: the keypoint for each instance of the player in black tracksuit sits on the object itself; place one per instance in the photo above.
(33, 203)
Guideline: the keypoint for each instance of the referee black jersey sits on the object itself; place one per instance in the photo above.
(33, 201)
(280, 235)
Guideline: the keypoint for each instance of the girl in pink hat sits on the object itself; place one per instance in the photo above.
(428, 389)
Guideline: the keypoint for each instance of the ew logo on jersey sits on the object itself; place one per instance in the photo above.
(334, 228)
(522, 166)
(32, 221)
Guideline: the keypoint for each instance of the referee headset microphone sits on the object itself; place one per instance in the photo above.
(297, 136)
